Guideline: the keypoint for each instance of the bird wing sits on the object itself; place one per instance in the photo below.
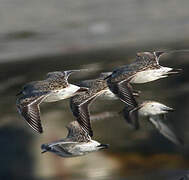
(131, 116)
(76, 133)
(86, 83)
(124, 92)
(165, 130)
(28, 107)
(61, 142)
(81, 112)
(57, 147)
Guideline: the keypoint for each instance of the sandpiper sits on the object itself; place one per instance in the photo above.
(107, 94)
(155, 112)
(79, 104)
(54, 88)
(146, 68)
(77, 143)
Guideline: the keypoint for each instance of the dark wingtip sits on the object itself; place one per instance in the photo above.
(37, 128)
(40, 131)
(181, 141)
(127, 116)
(91, 133)
(136, 125)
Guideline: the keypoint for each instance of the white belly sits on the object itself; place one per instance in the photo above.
(62, 94)
(150, 75)
(152, 109)
(145, 111)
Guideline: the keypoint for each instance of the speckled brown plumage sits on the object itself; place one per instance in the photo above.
(75, 133)
(54, 81)
(146, 68)
(54, 88)
(79, 103)
(142, 63)
(96, 88)
(77, 143)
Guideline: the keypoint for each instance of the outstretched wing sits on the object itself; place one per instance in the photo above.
(124, 92)
(81, 112)
(131, 116)
(165, 130)
(28, 107)
(58, 147)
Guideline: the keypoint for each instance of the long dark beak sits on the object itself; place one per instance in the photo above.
(103, 146)
(168, 109)
(107, 77)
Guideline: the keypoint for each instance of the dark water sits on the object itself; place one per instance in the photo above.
(37, 37)
(142, 154)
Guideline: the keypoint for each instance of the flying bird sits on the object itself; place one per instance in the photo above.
(77, 143)
(80, 103)
(146, 68)
(54, 88)
(155, 112)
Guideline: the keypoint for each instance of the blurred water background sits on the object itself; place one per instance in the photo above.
(39, 36)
